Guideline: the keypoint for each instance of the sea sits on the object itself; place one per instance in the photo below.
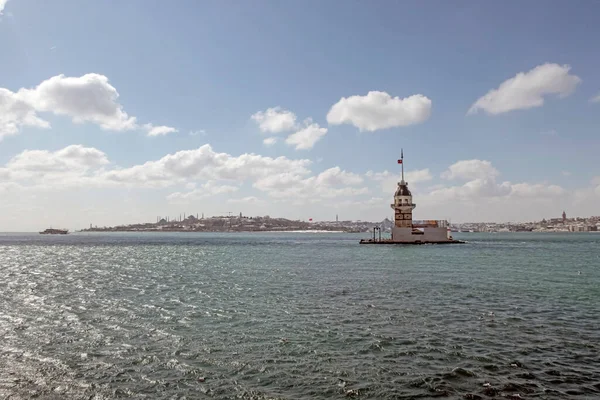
(298, 316)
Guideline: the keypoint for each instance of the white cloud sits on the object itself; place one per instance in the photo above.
(2, 5)
(528, 89)
(379, 110)
(470, 169)
(33, 177)
(481, 177)
(478, 189)
(65, 167)
(565, 173)
(306, 138)
(336, 176)
(199, 132)
(330, 183)
(270, 141)
(159, 130)
(246, 200)
(595, 99)
(389, 181)
(275, 120)
(88, 98)
(414, 176)
(536, 190)
(15, 113)
(373, 202)
(205, 163)
(210, 188)
(417, 176)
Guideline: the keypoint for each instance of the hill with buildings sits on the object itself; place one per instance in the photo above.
(242, 224)
(562, 224)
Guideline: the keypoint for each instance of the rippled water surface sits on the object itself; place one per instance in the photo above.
(290, 316)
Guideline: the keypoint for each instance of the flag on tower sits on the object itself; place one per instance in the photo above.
(399, 161)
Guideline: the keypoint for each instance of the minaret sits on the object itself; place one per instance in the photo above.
(403, 204)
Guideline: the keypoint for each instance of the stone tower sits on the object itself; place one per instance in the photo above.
(403, 204)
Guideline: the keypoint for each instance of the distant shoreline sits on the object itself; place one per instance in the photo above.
(215, 231)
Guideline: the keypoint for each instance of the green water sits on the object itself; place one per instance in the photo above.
(291, 315)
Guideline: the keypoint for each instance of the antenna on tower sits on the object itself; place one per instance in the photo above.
(401, 162)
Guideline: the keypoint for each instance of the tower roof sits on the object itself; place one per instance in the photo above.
(402, 190)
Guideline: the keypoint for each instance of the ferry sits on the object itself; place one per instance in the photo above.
(51, 231)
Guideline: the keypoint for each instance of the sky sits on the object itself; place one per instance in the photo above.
(118, 112)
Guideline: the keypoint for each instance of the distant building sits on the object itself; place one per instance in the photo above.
(564, 217)
(405, 230)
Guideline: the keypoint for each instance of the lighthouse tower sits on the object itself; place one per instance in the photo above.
(407, 231)
(403, 204)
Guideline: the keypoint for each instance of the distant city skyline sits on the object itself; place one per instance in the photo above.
(115, 113)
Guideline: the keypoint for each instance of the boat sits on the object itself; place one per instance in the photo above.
(51, 231)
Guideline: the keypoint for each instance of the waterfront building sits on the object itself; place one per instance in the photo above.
(408, 231)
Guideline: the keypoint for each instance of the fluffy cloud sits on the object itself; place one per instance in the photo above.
(62, 167)
(246, 200)
(205, 163)
(389, 180)
(481, 176)
(270, 141)
(288, 182)
(15, 113)
(275, 120)
(81, 165)
(470, 169)
(88, 98)
(536, 190)
(595, 99)
(159, 130)
(2, 5)
(528, 89)
(472, 190)
(330, 183)
(373, 202)
(415, 176)
(306, 138)
(379, 110)
(210, 188)
(336, 176)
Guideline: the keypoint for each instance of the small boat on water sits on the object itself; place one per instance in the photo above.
(51, 231)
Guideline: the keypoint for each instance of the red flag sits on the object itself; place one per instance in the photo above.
(310, 219)
(399, 161)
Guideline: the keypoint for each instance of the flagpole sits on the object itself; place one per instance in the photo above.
(402, 158)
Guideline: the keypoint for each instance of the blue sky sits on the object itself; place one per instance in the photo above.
(207, 67)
